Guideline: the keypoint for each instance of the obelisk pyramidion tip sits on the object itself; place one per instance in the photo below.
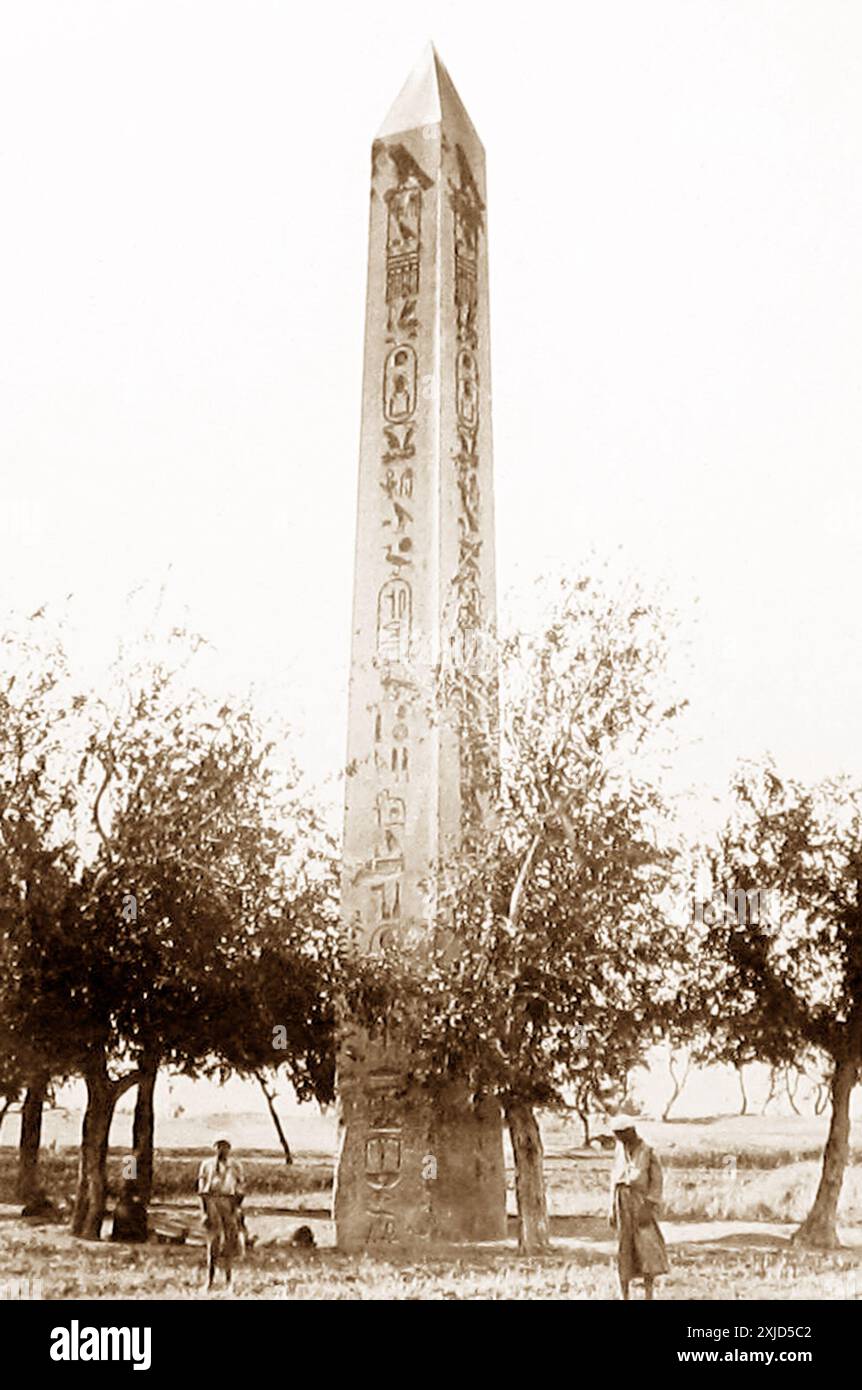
(427, 98)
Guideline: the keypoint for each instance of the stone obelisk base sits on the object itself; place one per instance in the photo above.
(413, 1172)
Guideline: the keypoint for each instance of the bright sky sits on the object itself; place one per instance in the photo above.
(675, 226)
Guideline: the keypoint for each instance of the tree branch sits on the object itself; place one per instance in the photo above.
(125, 1083)
(109, 772)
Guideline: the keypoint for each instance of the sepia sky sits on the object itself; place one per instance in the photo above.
(675, 222)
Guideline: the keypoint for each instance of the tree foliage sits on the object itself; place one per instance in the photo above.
(546, 969)
(166, 888)
(783, 983)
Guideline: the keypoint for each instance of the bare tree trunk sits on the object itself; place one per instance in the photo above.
(270, 1100)
(89, 1208)
(584, 1117)
(742, 1091)
(677, 1081)
(533, 1227)
(88, 1212)
(30, 1141)
(143, 1129)
(791, 1091)
(819, 1229)
(772, 1086)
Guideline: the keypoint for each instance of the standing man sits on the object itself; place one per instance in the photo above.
(220, 1187)
(636, 1185)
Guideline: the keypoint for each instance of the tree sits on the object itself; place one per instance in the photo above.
(150, 841)
(200, 825)
(5, 1106)
(144, 1124)
(270, 1098)
(30, 1141)
(599, 1083)
(280, 1018)
(786, 980)
(39, 714)
(773, 1087)
(546, 966)
(792, 1077)
(816, 1071)
(679, 1063)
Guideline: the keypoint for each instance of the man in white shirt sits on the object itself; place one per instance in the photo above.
(221, 1190)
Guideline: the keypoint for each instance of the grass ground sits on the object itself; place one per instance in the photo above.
(707, 1262)
(734, 1189)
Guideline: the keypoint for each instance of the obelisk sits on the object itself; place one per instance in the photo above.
(424, 590)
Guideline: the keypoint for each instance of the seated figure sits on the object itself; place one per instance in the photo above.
(303, 1238)
(130, 1216)
(40, 1207)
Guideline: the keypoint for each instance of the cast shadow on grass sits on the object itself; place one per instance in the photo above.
(704, 1119)
(744, 1240)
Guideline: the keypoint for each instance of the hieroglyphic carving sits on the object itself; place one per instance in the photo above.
(399, 557)
(387, 857)
(400, 443)
(383, 1151)
(394, 620)
(468, 224)
(388, 900)
(382, 1228)
(467, 210)
(400, 376)
(467, 580)
(395, 763)
(381, 877)
(385, 912)
(400, 485)
(467, 389)
(467, 440)
(391, 745)
(403, 233)
(404, 240)
(403, 934)
(400, 371)
(404, 208)
(391, 812)
(401, 518)
(383, 1157)
(399, 384)
(468, 493)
